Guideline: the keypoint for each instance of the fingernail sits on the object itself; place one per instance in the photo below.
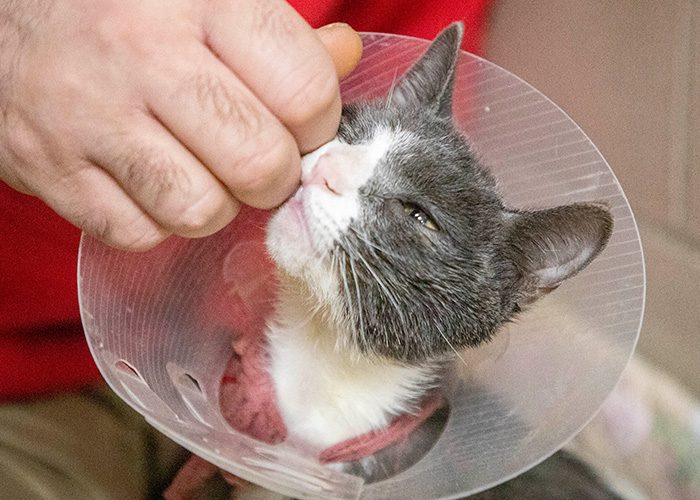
(336, 25)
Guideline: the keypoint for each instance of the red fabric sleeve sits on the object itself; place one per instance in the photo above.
(413, 18)
(42, 348)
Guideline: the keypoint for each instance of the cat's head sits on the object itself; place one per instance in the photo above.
(400, 233)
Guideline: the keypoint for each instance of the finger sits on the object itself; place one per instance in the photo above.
(344, 46)
(162, 176)
(282, 60)
(225, 126)
(90, 199)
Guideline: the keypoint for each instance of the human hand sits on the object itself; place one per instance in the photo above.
(135, 119)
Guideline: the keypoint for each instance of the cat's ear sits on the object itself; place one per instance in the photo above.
(428, 84)
(549, 246)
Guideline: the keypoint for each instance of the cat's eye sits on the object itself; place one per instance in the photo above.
(417, 213)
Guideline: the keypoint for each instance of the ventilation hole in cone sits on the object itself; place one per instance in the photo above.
(189, 381)
(127, 369)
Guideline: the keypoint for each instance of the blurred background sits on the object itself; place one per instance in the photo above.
(628, 72)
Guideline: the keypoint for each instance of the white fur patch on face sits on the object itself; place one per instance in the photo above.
(307, 226)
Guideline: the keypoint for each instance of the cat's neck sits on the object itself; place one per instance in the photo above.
(327, 392)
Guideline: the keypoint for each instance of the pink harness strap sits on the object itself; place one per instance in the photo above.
(248, 405)
(198, 471)
(371, 442)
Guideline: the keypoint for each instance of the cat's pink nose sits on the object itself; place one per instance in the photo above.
(329, 173)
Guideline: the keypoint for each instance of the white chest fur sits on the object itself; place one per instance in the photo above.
(327, 395)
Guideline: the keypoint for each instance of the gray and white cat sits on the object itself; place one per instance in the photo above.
(396, 252)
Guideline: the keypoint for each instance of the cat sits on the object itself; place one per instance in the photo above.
(397, 252)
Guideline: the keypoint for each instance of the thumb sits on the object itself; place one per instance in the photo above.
(343, 44)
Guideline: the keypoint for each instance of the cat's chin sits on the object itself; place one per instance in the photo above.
(288, 240)
(295, 255)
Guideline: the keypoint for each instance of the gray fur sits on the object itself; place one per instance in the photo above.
(424, 293)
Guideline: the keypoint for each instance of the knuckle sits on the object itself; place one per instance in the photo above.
(195, 218)
(272, 18)
(204, 216)
(96, 223)
(138, 234)
(314, 96)
(169, 193)
(230, 107)
(137, 240)
(159, 179)
(265, 161)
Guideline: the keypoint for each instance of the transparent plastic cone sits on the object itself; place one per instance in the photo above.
(159, 323)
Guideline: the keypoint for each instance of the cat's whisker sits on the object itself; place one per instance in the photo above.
(390, 94)
(344, 317)
(342, 267)
(364, 239)
(359, 303)
(391, 298)
(442, 334)
(351, 254)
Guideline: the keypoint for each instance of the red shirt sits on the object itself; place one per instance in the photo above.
(42, 347)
